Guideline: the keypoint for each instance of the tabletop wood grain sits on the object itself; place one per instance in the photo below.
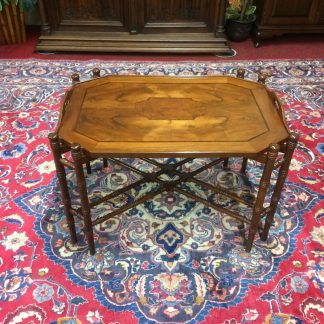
(171, 116)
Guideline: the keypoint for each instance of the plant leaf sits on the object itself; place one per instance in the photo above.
(249, 11)
(5, 2)
(233, 16)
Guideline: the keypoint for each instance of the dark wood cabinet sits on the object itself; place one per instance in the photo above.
(320, 14)
(179, 26)
(277, 17)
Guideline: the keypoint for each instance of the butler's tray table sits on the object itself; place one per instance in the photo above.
(149, 117)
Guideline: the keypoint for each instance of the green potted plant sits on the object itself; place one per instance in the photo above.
(12, 20)
(239, 19)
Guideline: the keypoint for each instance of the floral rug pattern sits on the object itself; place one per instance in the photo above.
(170, 260)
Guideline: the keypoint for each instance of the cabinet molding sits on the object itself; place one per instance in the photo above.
(277, 17)
(171, 26)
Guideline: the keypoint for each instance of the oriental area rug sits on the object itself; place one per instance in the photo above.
(171, 259)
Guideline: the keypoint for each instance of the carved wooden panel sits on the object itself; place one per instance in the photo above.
(320, 14)
(179, 14)
(276, 17)
(90, 10)
(176, 10)
(296, 8)
(94, 15)
(291, 12)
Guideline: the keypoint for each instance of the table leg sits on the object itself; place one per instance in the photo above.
(263, 188)
(225, 163)
(244, 164)
(82, 186)
(283, 171)
(88, 166)
(61, 175)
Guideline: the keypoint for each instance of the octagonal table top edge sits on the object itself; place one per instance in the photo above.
(273, 129)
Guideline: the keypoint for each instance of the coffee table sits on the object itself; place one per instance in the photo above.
(150, 117)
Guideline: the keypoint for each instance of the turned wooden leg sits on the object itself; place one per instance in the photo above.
(45, 28)
(95, 73)
(225, 163)
(88, 167)
(104, 162)
(240, 73)
(75, 78)
(244, 164)
(82, 186)
(60, 171)
(262, 77)
(263, 187)
(282, 175)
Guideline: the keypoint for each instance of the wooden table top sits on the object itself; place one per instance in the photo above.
(171, 116)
